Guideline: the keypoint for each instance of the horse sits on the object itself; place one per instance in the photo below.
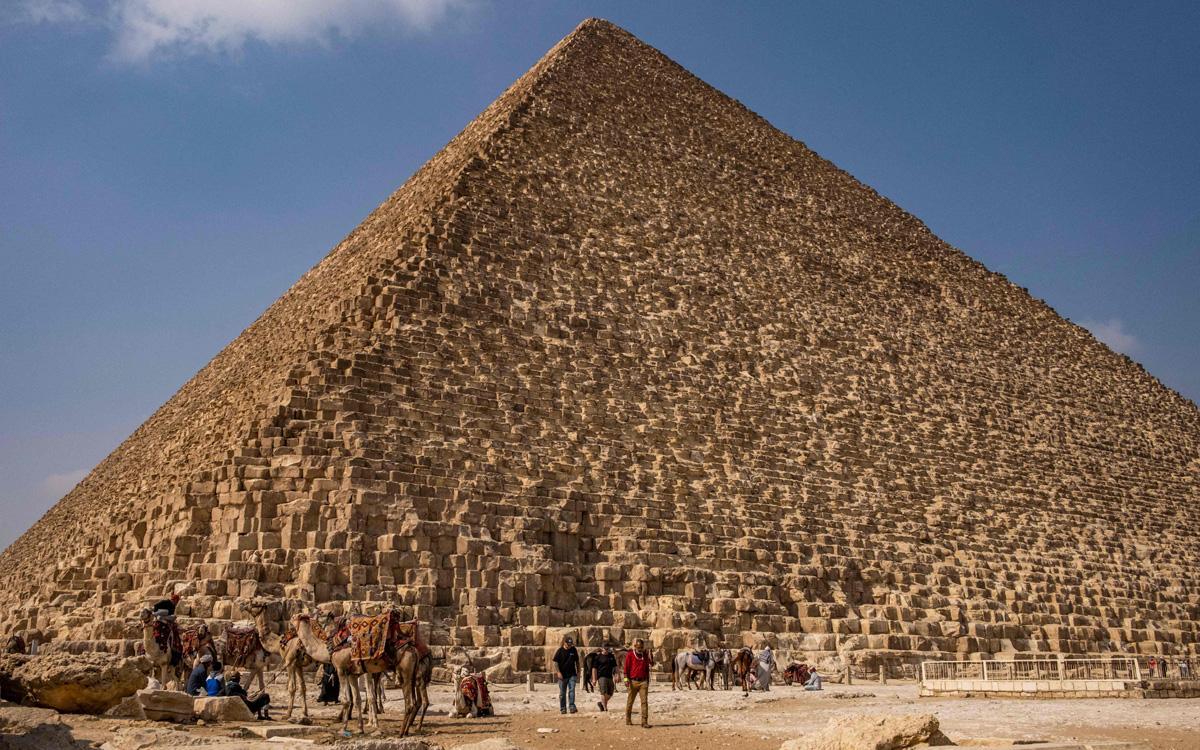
(691, 666)
(743, 667)
(722, 663)
(588, 685)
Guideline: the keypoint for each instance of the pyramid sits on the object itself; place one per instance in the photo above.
(625, 360)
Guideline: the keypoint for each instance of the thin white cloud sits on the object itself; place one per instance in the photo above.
(1113, 333)
(56, 485)
(146, 29)
(52, 11)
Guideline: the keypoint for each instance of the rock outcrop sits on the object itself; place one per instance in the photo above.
(874, 732)
(79, 683)
(626, 361)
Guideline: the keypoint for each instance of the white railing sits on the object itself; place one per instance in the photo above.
(1109, 668)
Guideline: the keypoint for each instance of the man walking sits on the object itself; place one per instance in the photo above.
(637, 680)
(566, 661)
(604, 664)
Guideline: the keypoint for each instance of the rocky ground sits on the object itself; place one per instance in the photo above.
(686, 720)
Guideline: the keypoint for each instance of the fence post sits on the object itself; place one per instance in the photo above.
(1137, 669)
(984, 662)
(922, 674)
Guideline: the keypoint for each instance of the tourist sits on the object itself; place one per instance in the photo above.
(198, 676)
(258, 705)
(566, 661)
(329, 685)
(637, 680)
(1153, 666)
(604, 664)
(215, 681)
(1185, 669)
(814, 680)
(1162, 667)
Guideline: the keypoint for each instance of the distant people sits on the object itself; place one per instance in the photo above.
(566, 661)
(199, 674)
(814, 680)
(216, 680)
(257, 705)
(766, 665)
(604, 665)
(329, 685)
(1162, 667)
(165, 609)
(1185, 669)
(1153, 666)
(638, 662)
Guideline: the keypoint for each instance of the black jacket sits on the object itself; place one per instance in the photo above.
(567, 660)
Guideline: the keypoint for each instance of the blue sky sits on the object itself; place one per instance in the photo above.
(169, 167)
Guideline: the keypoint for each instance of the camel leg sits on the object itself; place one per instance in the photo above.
(424, 694)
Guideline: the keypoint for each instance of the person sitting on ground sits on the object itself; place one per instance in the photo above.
(198, 676)
(258, 705)
(604, 665)
(814, 680)
(329, 685)
(216, 680)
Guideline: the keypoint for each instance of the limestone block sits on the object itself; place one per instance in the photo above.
(166, 705)
(221, 709)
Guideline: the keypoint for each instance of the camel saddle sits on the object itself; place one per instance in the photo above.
(384, 636)
(166, 635)
(192, 639)
(240, 643)
(474, 688)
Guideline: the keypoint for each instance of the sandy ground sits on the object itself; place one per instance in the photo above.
(691, 720)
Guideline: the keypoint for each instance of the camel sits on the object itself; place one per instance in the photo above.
(295, 661)
(348, 672)
(164, 661)
(722, 663)
(252, 655)
(796, 673)
(14, 645)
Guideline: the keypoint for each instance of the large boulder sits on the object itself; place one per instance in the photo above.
(10, 689)
(222, 709)
(89, 683)
(879, 732)
(166, 705)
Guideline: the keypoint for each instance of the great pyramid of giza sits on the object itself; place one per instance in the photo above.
(624, 358)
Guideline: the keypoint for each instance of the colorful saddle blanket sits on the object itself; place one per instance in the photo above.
(166, 635)
(797, 672)
(474, 688)
(383, 636)
(240, 645)
(194, 639)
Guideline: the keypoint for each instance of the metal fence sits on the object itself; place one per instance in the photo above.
(1111, 668)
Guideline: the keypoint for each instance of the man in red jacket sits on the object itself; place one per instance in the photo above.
(637, 680)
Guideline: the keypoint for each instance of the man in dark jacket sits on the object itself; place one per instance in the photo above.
(195, 680)
(166, 607)
(566, 661)
(233, 689)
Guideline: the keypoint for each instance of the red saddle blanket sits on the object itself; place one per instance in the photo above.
(474, 688)
(194, 639)
(166, 635)
(240, 645)
(383, 636)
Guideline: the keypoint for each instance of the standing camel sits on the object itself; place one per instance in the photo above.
(163, 659)
(244, 648)
(295, 661)
(348, 671)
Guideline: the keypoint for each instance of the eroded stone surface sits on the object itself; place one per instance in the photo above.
(624, 360)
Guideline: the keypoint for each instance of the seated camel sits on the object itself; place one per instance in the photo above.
(796, 673)
(471, 697)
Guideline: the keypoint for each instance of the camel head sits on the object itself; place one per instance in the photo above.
(146, 616)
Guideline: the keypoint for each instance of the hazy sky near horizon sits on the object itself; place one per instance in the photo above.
(169, 167)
